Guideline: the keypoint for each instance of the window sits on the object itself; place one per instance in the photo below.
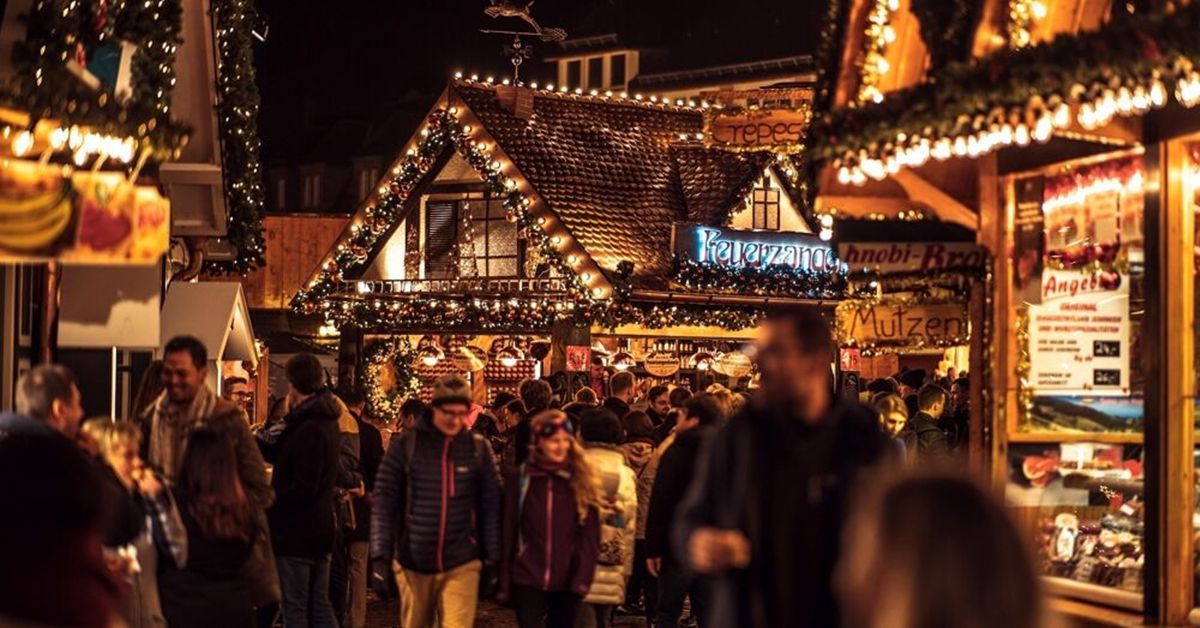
(496, 239)
(616, 70)
(574, 71)
(765, 200)
(595, 73)
(441, 231)
(281, 193)
(312, 190)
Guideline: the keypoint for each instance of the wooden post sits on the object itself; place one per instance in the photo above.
(349, 353)
(996, 373)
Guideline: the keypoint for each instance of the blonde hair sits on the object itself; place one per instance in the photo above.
(95, 428)
(890, 403)
(584, 482)
(118, 434)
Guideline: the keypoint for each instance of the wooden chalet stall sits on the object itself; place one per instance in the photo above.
(525, 232)
(1065, 135)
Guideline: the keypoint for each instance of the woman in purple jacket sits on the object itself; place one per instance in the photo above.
(551, 527)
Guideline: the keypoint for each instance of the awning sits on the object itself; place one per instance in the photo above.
(110, 306)
(214, 312)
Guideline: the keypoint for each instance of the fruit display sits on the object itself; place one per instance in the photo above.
(81, 217)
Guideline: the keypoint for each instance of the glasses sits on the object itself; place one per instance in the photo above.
(550, 429)
(241, 395)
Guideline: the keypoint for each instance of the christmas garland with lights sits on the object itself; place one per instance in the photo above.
(457, 313)
(237, 110)
(947, 27)
(59, 31)
(659, 316)
(774, 280)
(442, 131)
(394, 354)
(1014, 97)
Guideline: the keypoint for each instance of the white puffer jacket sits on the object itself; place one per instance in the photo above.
(618, 523)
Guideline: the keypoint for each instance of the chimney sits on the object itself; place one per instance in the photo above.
(516, 100)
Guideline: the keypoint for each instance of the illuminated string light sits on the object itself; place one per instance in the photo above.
(879, 35)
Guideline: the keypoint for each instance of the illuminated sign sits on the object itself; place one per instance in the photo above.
(738, 248)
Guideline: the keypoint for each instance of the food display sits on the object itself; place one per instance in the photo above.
(47, 212)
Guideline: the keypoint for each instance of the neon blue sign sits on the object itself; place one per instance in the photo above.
(739, 248)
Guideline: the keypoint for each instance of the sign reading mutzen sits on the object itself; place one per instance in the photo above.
(739, 248)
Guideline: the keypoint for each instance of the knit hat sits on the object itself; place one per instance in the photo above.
(451, 389)
(913, 379)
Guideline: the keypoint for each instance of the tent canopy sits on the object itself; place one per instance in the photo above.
(214, 312)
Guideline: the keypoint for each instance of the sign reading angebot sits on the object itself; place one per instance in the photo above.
(738, 248)
(1079, 335)
(893, 257)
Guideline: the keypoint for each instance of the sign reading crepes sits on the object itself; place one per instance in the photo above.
(895, 257)
(899, 325)
(738, 248)
(780, 130)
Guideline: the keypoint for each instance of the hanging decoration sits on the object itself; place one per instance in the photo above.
(1023, 15)
(389, 377)
(658, 316)
(874, 64)
(237, 109)
(107, 66)
(775, 280)
(1017, 97)
(457, 313)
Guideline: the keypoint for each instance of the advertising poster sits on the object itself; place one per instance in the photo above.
(1079, 335)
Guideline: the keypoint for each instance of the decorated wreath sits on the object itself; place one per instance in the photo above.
(389, 377)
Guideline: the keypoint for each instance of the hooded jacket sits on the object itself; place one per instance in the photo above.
(546, 546)
(306, 470)
(675, 471)
(436, 501)
(618, 523)
(637, 455)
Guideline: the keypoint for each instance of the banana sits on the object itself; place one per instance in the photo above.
(45, 200)
(40, 234)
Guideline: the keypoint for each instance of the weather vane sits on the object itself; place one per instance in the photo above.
(518, 51)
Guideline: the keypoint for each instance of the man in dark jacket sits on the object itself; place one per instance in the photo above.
(537, 395)
(306, 470)
(623, 386)
(925, 442)
(764, 514)
(436, 510)
(701, 414)
(358, 528)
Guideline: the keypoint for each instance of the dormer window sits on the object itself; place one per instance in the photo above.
(765, 204)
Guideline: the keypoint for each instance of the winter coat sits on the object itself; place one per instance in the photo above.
(651, 472)
(637, 456)
(618, 523)
(924, 441)
(618, 407)
(306, 470)
(211, 590)
(546, 546)
(349, 475)
(736, 480)
(675, 471)
(436, 504)
(370, 444)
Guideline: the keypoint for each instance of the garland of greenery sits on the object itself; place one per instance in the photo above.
(46, 88)
(946, 28)
(395, 354)
(774, 280)
(237, 108)
(829, 51)
(442, 131)
(456, 313)
(658, 316)
(964, 99)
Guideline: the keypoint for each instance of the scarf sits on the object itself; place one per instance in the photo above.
(171, 425)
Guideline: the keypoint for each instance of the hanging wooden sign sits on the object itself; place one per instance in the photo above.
(903, 325)
(779, 130)
(734, 364)
(661, 363)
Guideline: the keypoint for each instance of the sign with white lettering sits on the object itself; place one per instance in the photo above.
(1079, 335)
(737, 248)
(780, 130)
(894, 324)
(893, 257)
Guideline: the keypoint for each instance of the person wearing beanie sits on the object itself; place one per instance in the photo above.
(910, 382)
(436, 511)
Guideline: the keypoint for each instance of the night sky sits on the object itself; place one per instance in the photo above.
(355, 59)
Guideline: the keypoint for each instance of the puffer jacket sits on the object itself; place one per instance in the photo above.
(436, 504)
(618, 524)
(637, 456)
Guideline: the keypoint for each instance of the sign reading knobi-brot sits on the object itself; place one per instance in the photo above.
(892, 257)
(739, 248)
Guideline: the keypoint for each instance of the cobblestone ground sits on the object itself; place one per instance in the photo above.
(386, 615)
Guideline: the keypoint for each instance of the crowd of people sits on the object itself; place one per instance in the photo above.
(783, 507)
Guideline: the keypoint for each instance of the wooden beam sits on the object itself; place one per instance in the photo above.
(865, 206)
(945, 206)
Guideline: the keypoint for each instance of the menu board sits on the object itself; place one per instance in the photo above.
(1079, 334)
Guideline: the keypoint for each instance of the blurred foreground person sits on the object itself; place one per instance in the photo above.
(52, 572)
(551, 527)
(211, 590)
(47, 399)
(436, 510)
(765, 511)
(903, 566)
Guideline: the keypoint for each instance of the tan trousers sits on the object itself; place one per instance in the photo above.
(357, 581)
(446, 599)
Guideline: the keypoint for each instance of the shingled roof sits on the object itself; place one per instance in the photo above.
(617, 173)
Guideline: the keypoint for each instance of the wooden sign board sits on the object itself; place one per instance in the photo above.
(867, 325)
(779, 130)
(661, 363)
(893, 257)
(734, 364)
